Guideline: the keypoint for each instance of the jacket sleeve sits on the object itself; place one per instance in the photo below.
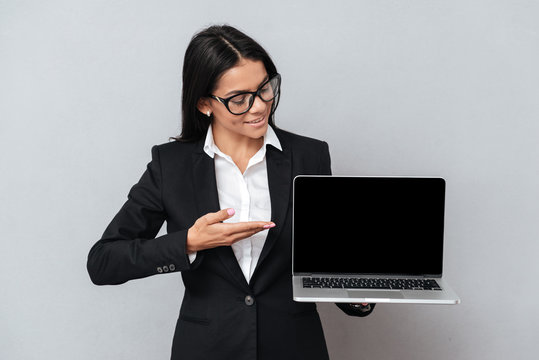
(128, 248)
(349, 309)
(325, 160)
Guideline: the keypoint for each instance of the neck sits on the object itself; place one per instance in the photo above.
(239, 147)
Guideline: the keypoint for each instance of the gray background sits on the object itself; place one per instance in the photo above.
(447, 88)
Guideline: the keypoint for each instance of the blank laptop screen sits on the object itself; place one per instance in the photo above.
(368, 225)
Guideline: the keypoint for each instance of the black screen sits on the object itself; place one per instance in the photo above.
(368, 225)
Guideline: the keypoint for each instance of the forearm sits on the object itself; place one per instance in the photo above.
(115, 261)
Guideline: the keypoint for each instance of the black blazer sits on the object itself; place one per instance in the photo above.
(221, 316)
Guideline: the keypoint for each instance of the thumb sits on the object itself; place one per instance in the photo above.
(220, 215)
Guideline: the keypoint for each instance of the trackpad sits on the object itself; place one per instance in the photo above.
(375, 294)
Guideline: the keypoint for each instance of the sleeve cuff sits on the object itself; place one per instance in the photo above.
(192, 257)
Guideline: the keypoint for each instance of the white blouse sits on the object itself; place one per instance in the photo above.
(247, 193)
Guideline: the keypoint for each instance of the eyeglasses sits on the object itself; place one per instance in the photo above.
(241, 103)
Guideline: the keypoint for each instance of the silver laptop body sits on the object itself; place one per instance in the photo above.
(359, 239)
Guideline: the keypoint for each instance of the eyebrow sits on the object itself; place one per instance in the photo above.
(235, 92)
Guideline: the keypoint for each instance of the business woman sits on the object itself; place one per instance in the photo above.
(224, 189)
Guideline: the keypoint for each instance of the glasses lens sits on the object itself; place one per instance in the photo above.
(240, 103)
(271, 89)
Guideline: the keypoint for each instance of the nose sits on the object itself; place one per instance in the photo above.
(259, 106)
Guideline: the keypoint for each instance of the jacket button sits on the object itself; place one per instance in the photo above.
(159, 269)
(249, 300)
(172, 267)
(165, 268)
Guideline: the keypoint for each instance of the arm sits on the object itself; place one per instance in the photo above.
(325, 160)
(360, 310)
(128, 248)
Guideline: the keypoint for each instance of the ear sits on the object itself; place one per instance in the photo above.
(203, 105)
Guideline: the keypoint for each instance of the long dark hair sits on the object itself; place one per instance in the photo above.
(210, 53)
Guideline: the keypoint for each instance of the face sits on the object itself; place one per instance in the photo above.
(247, 75)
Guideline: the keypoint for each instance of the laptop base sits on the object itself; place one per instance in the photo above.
(446, 296)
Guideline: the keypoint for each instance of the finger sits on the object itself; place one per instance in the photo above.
(246, 230)
(232, 228)
(231, 239)
(219, 216)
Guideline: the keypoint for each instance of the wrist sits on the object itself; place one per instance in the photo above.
(189, 248)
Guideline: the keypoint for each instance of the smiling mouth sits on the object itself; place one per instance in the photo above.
(255, 121)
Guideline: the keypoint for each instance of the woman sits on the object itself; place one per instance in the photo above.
(224, 189)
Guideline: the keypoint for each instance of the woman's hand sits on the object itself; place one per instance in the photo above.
(363, 307)
(209, 231)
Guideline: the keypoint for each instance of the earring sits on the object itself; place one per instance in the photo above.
(208, 113)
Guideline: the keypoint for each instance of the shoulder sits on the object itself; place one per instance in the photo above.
(297, 142)
(309, 156)
(175, 151)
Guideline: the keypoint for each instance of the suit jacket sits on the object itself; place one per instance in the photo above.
(221, 316)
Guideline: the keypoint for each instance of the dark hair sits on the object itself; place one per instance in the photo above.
(210, 53)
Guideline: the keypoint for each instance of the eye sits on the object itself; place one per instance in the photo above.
(239, 100)
(267, 92)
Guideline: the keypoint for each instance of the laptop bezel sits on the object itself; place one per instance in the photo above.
(373, 275)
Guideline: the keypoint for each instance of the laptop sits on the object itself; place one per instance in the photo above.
(364, 239)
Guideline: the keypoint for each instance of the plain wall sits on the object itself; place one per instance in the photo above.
(445, 88)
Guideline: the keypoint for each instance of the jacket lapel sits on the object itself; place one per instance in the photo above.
(207, 200)
(204, 183)
(279, 164)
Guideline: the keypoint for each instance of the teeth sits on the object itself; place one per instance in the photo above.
(254, 121)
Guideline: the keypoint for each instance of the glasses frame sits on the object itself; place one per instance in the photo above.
(253, 93)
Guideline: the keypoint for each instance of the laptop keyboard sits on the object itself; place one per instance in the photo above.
(370, 283)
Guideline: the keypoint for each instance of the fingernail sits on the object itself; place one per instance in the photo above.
(269, 226)
(230, 211)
